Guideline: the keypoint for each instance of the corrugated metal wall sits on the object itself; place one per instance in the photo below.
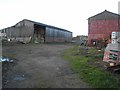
(21, 29)
(101, 25)
(101, 29)
(56, 35)
(26, 28)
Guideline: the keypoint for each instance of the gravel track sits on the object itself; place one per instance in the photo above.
(38, 66)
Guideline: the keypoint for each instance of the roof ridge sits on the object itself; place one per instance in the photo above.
(104, 12)
(46, 25)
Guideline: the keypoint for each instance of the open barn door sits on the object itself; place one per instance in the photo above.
(39, 34)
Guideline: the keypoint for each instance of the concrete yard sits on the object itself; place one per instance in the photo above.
(38, 66)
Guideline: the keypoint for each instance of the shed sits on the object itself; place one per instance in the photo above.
(38, 32)
(80, 39)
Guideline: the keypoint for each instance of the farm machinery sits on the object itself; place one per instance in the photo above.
(112, 55)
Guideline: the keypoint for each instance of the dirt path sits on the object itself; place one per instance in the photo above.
(39, 66)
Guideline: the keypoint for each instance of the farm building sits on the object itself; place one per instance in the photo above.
(34, 31)
(80, 39)
(101, 26)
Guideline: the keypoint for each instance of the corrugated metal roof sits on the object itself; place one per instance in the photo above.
(45, 25)
(105, 15)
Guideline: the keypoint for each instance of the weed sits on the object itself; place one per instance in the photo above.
(89, 72)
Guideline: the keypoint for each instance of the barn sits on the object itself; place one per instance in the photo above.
(37, 32)
(101, 26)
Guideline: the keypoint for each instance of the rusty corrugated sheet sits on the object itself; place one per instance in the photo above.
(99, 29)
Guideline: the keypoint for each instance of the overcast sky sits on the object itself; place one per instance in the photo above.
(67, 14)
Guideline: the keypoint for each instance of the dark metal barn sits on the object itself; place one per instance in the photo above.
(37, 32)
(101, 26)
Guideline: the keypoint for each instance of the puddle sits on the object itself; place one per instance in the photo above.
(5, 59)
(19, 77)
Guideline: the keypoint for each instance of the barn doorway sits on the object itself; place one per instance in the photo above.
(39, 33)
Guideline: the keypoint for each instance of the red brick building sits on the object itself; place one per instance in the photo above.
(101, 26)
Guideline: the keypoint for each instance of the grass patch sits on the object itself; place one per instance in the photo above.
(93, 75)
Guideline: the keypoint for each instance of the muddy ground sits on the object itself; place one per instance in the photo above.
(38, 66)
